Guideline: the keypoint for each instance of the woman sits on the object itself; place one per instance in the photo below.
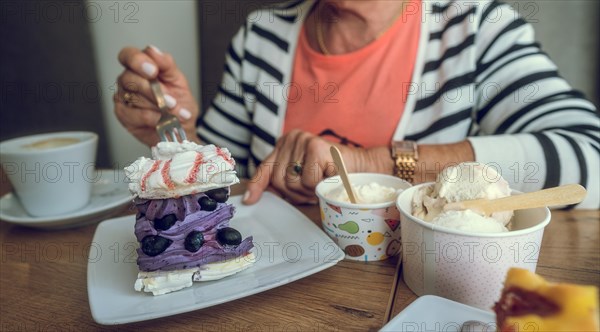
(464, 80)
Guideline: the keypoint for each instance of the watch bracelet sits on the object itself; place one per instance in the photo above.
(405, 167)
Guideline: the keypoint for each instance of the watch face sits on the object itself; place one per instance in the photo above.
(405, 146)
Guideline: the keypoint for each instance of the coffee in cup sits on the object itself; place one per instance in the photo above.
(50, 143)
(53, 173)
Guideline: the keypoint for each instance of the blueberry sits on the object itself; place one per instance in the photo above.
(193, 241)
(207, 204)
(165, 222)
(220, 195)
(229, 236)
(153, 245)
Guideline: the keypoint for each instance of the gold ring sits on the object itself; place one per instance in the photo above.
(297, 168)
(128, 98)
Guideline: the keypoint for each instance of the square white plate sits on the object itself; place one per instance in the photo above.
(434, 313)
(288, 247)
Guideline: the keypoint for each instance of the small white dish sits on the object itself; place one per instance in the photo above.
(288, 247)
(434, 313)
(109, 192)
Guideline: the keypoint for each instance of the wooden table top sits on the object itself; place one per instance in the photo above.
(570, 252)
(43, 283)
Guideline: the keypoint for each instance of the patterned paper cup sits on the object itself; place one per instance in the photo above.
(466, 267)
(366, 232)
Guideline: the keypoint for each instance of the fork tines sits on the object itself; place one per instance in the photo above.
(168, 125)
(172, 128)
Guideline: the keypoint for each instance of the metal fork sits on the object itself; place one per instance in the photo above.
(168, 125)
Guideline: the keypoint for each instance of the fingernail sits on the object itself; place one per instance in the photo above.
(185, 114)
(246, 196)
(170, 101)
(149, 68)
(155, 49)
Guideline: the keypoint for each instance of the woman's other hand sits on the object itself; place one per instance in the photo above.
(135, 106)
(279, 172)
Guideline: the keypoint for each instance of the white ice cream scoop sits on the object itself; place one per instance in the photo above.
(562, 195)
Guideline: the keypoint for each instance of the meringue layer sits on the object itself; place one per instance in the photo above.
(178, 169)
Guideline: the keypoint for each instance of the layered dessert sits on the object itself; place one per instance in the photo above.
(463, 182)
(182, 224)
(530, 303)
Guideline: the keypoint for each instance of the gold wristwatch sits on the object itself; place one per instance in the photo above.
(405, 156)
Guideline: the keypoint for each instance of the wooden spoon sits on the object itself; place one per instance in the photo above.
(562, 195)
(339, 162)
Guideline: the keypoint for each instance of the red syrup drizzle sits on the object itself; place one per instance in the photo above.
(193, 175)
(165, 175)
(227, 158)
(152, 169)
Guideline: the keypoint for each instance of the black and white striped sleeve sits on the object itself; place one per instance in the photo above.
(227, 121)
(530, 122)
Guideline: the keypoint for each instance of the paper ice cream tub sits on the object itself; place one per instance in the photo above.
(366, 232)
(466, 267)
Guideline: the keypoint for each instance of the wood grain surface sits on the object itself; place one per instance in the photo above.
(570, 252)
(43, 284)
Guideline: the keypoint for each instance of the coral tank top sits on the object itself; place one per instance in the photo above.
(355, 98)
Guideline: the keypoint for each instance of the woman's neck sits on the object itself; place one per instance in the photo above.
(348, 25)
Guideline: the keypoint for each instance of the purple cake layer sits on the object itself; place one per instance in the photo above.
(189, 218)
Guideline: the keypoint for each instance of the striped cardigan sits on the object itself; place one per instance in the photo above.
(479, 74)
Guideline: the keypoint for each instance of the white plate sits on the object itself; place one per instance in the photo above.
(288, 247)
(434, 313)
(108, 193)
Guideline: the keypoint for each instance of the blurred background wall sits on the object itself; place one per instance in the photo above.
(59, 64)
(48, 76)
(569, 31)
(169, 25)
(58, 59)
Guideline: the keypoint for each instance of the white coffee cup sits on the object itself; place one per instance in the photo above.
(52, 173)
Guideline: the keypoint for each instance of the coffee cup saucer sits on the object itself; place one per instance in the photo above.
(110, 193)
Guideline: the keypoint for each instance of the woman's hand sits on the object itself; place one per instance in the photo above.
(279, 173)
(135, 106)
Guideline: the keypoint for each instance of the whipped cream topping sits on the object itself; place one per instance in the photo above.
(178, 169)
